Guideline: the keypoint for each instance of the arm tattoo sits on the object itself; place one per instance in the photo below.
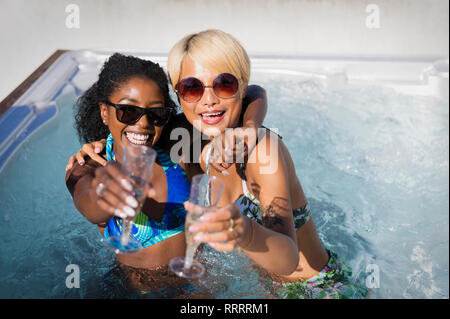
(270, 218)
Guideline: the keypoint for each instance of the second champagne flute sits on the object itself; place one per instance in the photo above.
(205, 192)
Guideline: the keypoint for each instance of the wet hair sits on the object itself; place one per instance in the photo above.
(117, 70)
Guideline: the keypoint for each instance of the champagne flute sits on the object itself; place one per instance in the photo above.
(205, 192)
(137, 164)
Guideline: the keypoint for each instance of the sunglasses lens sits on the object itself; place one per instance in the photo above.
(225, 85)
(190, 89)
(128, 114)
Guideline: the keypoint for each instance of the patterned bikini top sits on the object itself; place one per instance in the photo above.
(250, 206)
(146, 230)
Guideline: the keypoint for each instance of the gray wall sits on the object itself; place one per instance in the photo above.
(31, 30)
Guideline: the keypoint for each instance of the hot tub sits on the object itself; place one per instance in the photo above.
(369, 138)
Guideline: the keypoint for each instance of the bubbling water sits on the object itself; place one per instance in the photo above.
(373, 165)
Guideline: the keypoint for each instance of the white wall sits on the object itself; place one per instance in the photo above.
(31, 30)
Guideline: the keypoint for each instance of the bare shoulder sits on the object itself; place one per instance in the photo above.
(273, 167)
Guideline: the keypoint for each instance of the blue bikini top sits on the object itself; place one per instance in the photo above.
(146, 230)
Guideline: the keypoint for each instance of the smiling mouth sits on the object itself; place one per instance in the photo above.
(138, 138)
(212, 118)
(212, 115)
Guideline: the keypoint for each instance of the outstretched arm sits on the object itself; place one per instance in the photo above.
(79, 183)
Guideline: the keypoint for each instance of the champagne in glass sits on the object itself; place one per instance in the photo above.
(205, 192)
(137, 164)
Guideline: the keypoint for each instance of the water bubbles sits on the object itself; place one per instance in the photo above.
(382, 159)
(373, 165)
(421, 281)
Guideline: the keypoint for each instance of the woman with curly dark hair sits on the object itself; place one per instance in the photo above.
(118, 69)
(130, 104)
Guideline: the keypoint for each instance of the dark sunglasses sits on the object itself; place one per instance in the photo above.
(131, 114)
(191, 89)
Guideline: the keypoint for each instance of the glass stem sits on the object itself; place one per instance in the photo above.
(126, 231)
(190, 252)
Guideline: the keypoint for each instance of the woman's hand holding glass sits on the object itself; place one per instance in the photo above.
(204, 196)
(137, 163)
(112, 190)
(223, 228)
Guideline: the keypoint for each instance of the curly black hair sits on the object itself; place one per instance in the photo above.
(116, 71)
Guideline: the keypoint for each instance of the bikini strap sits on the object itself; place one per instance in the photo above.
(248, 194)
(109, 148)
(164, 158)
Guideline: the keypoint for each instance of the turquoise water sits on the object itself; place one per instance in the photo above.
(373, 164)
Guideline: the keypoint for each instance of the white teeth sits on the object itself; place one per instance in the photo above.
(211, 114)
(138, 139)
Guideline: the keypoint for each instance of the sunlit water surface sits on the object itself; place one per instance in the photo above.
(373, 164)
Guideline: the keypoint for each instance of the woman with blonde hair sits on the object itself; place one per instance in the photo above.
(269, 218)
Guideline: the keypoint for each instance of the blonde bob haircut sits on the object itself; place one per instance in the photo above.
(214, 50)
